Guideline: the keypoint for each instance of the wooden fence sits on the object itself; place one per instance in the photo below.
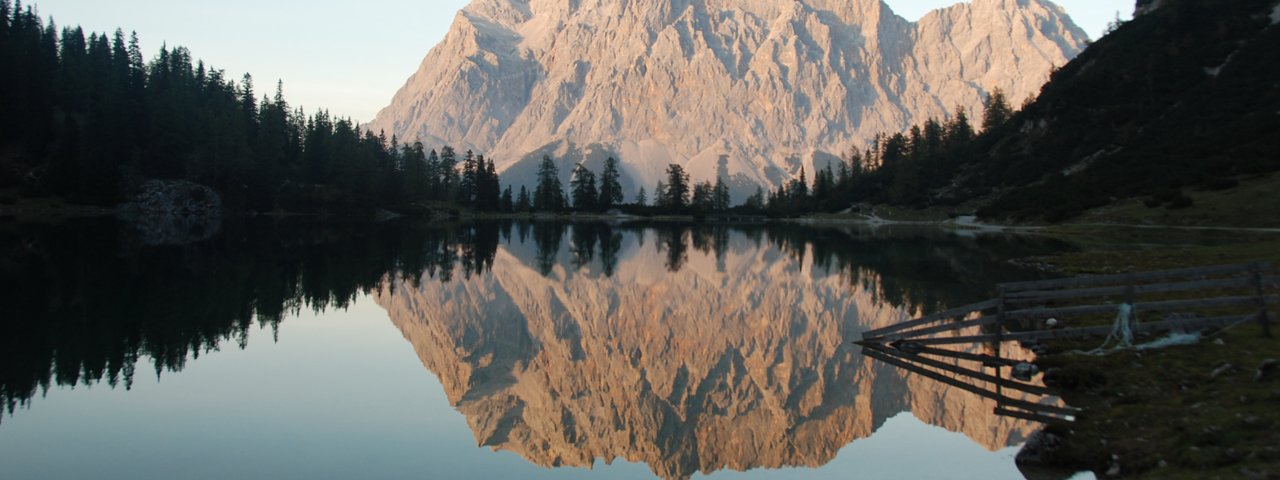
(1156, 302)
(1224, 295)
(1036, 403)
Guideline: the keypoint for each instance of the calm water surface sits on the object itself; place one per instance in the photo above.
(493, 350)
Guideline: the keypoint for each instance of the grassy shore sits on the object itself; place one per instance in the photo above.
(1199, 411)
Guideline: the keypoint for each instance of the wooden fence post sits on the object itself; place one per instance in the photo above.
(1262, 300)
(999, 346)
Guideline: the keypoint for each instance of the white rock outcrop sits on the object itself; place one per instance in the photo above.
(773, 85)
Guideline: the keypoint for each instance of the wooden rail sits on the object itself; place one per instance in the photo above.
(1032, 389)
(1044, 293)
(1004, 403)
(1183, 324)
(955, 312)
(1228, 295)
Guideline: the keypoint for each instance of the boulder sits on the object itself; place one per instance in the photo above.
(173, 212)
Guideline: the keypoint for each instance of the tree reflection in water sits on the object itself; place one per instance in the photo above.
(85, 302)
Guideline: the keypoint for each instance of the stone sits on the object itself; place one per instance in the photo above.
(1267, 370)
(173, 212)
(1221, 370)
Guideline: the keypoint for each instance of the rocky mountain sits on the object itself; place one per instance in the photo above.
(772, 85)
(741, 359)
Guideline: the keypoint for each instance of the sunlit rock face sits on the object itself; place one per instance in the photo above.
(772, 85)
(738, 360)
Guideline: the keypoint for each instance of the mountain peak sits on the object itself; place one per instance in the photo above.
(774, 85)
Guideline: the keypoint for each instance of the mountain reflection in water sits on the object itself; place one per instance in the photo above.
(690, 348)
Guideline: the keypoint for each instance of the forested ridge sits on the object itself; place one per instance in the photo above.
(1183, 97)
(88, 120)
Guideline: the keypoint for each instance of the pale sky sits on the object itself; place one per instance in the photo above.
(348, 57)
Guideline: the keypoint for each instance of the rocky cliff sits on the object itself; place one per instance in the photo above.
(774, 85)
(734, 362)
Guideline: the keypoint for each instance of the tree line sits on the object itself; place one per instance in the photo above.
(900, 169)
(88, 120)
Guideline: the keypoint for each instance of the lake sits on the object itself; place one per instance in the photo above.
(504, 349)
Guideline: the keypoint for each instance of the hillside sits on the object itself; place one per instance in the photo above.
(1185, 97)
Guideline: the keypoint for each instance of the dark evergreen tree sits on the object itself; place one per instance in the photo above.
(676, 194)
(996, 110)
(434, 187)
(488, 186)
(610, 186)
(523, 203)
(448, 171)
(548, 196)
(507, 203)
(467, 185)
(703, 197)
(586, 197)
(959, 132)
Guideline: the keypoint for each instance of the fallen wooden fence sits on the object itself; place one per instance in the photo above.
(1005, 405)
(908, 345)
(1011, 307)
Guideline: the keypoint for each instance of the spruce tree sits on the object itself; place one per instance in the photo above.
(523, 203)
(677, 188)
(959, 132)
(995, 111)
(610, 186)
(448, 170)
(467, 185)
(703, 197)
(583, 186)
(548, 196)
(507, 203)
(433, 176)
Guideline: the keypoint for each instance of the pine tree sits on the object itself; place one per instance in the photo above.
(642, 198)
(523, 204)
(959, 132)
(548, 196)
(800, 187)
(470, 178)
(489, 187)
(448, 170)
(249, 106)
(677, 188)
(703, 197)
(507, 204)
(995, 111)
(583, 186)
(415, 173)
(433, 175)
(610, 187)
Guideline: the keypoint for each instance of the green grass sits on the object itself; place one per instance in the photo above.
(1160, 413)
(1164, 415)
(1252, 204)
